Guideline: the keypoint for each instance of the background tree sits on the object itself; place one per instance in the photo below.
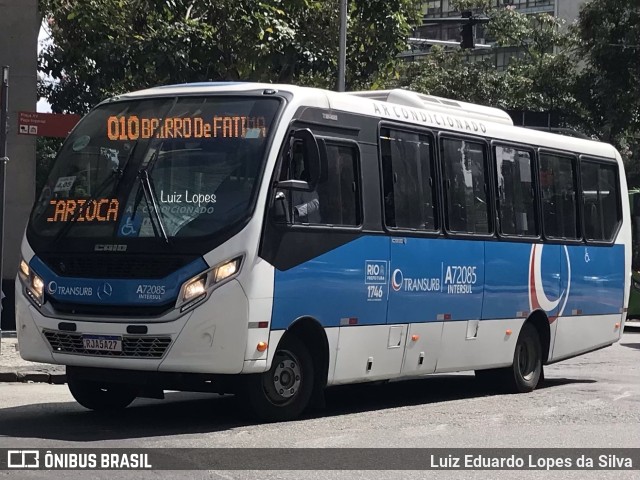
(608, 42)
(540, 79)
(587, 73)
(105, 47)
(46, 150)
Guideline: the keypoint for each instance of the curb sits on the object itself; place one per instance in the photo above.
(33, 377)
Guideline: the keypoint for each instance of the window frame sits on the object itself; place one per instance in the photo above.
(436, 181)
(609, 162)
(537, 202)
(578, 189)
(489, 185)
(322, 142)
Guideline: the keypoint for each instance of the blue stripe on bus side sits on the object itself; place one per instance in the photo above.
(427, 280)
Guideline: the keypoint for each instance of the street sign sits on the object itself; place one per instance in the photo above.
(46, 124)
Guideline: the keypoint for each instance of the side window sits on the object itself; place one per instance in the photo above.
(339, 190)
(599, 200)
(465, 181)
(559, 205)
(515, 192)
(408, 178)
(335, 200)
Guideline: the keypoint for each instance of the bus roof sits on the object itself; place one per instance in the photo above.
(407, 107)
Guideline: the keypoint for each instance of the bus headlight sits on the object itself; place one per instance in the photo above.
(37, 285)
(195, 289)
(227, 270)
(35, 288)
(33, 283)
(24, 268)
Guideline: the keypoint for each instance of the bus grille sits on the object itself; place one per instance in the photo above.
(115, 265)
(132, 346)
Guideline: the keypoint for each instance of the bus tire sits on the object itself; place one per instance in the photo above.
(525, 372)
(100, 396)
(527, 361)
(283, 392)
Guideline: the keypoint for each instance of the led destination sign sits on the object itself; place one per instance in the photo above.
(99, 210)
(228, 126)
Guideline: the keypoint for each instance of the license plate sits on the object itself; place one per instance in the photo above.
(105, 343)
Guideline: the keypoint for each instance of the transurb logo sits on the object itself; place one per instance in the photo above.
(538, 299)
(396, 279)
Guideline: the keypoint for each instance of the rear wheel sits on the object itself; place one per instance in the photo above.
(100, 396)
(284, 391)
(525, 372)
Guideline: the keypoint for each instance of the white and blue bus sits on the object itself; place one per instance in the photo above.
(272, 241)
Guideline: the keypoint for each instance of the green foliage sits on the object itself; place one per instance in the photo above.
(105, 47)
(375, 29)
(46, 150)
(608, 42)
(450, 75)
(588, 73)
(539, 78)
(473, 5)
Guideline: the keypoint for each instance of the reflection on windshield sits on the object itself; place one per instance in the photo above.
(201, 186)
(202, 158)
(85, 173)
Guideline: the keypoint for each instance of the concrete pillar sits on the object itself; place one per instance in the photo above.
(19, 26)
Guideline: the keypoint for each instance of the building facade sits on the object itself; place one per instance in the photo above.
(19, 24)
(564, 9)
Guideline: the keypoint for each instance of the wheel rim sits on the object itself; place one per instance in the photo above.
(282, 383)
(527, 360)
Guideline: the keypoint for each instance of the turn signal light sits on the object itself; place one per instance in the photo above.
(262, 346)
(508, 332)
(617, 326)
(415, 338)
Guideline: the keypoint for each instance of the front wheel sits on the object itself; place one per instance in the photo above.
(283, 392)
(526, 371)
(100, 396)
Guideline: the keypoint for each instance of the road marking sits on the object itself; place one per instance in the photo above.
(624, 395)
(226, 477)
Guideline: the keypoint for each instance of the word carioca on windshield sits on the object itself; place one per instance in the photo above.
(99, 210)
(228, 126)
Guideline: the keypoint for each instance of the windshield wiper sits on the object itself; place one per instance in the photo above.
(150, 199)
(148, 190)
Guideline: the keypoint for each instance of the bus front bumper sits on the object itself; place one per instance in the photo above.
(208, 339)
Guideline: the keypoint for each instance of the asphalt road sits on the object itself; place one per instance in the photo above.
(588, 401)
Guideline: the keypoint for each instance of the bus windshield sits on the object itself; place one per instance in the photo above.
(170, 167)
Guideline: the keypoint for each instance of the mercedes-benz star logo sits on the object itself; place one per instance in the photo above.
(104, 291)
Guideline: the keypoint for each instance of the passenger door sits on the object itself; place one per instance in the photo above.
(327, 268)
(469, 224)
(411, 216)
